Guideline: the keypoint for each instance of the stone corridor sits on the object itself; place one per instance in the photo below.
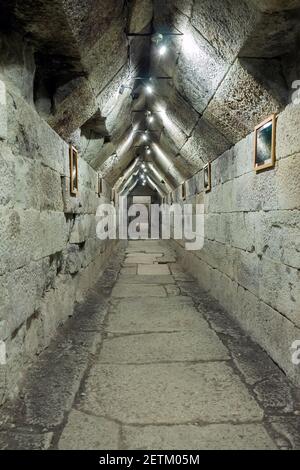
(158, 365)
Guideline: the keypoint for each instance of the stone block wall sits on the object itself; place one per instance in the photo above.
(251, 257)
(49, 253)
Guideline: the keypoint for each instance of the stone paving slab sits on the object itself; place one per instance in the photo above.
(191, 437)
(87, 432)
(172, 314)
(148, 279)
(137, 290)
(153, 269)
(144, 255)
(129, 270)
(24, 440)
(202, 345)
(140, 260)
(169, 393)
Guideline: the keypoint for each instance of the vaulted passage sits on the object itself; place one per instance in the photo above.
(150, 224)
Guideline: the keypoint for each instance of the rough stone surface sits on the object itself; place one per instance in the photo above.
(3, 115)
(86, 432)
(170, 394)
(153, 269)
(49, 251)
(185, 376)
(232, 111)
(250, 261)
(163, 347)
(191, 437)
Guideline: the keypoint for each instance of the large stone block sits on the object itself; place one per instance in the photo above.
(288, 182)
(106, 57)
(21, 291)
(225, 25)
(83, 228)
(243, 156)
(224, 290)
(275, 32)
(279, 287)
(287, 133)
(248, 271)
(75, 109)
(56, 307)
(52, 233)
(223, 168)
(242, 229)
(3, 112)
(277, 235)
(219, 256)
(270, 6)
(8, 178)
(273, 331)
(19, 238)
(204, 145)
(18, 64)
(141, 15)
(240, 103)
(216, 227)
(220, 198)
(37, 186)
(253, 192)
(30, 136)
(200, 70)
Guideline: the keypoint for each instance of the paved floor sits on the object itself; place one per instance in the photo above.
(163, 378)
(166, 369)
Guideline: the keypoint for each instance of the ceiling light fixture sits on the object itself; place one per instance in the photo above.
(157, 38)
(149, 116)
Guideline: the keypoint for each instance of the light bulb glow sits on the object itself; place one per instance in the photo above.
(162, 50)
(149, 89)
(151, 119)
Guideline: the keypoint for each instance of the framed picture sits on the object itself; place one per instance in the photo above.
(73, 156)
(100, 185)
(265, 144)
(207, 177)
(183, 191)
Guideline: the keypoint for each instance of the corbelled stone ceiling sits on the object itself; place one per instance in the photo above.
(224, 67)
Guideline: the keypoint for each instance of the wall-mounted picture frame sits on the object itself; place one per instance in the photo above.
(183, 191)
(265, 144)
(74, 180)
(100, 185)
(207, 177)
